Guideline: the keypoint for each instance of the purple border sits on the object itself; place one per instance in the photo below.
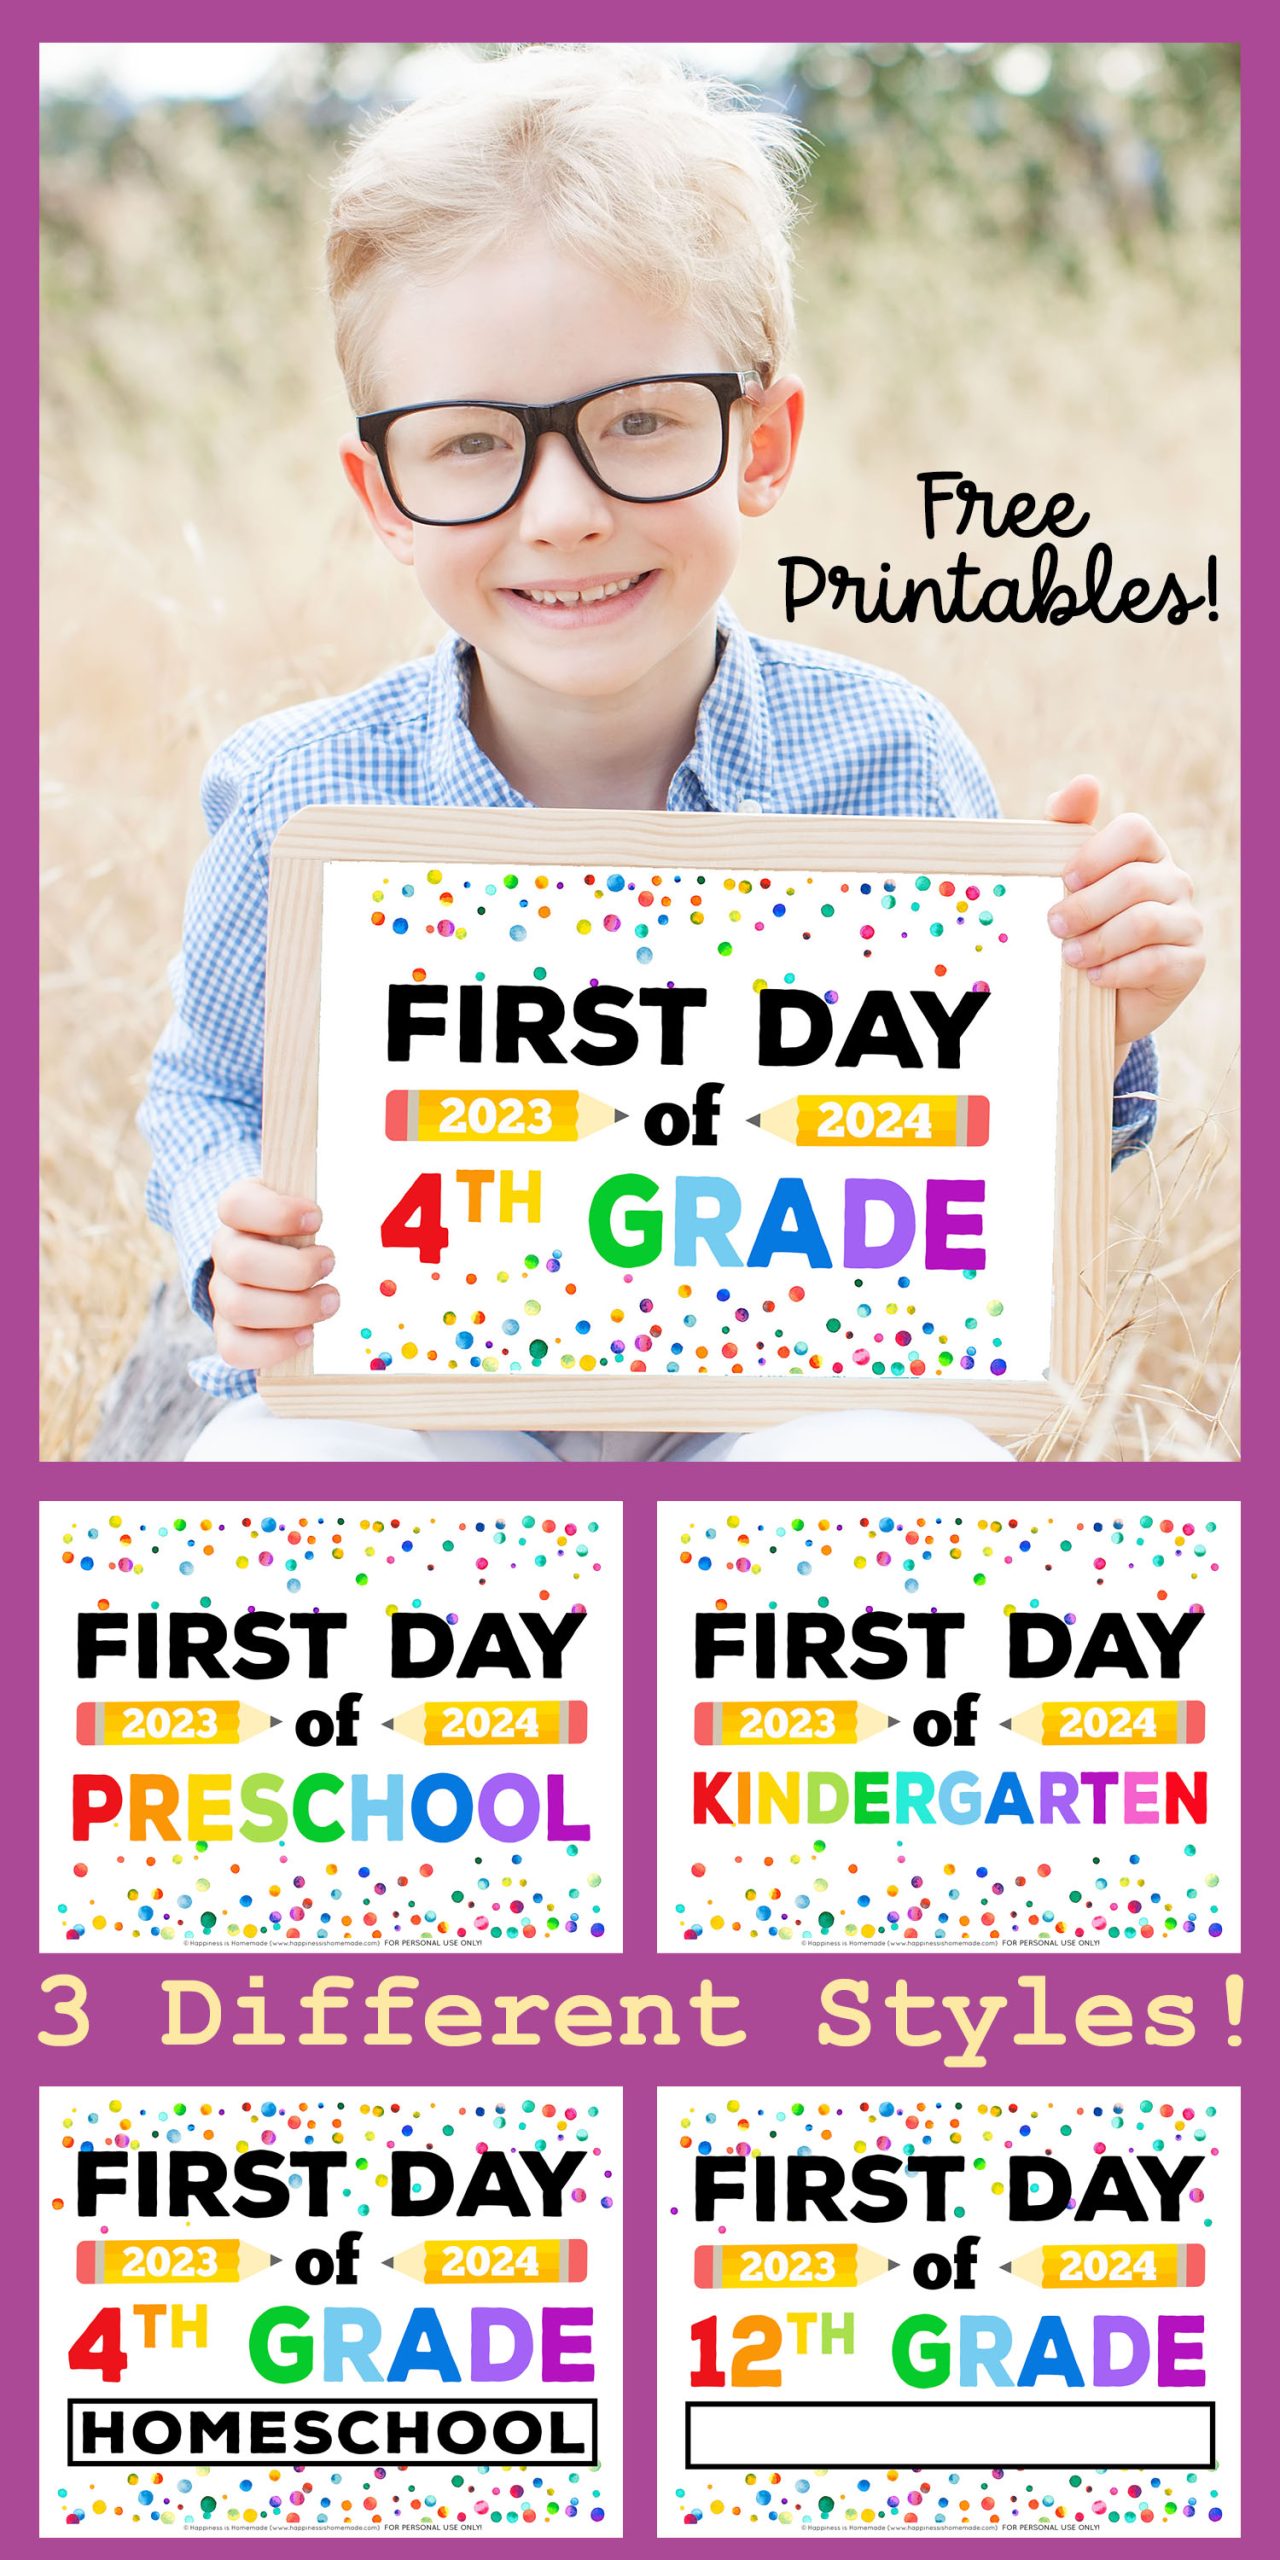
(124, 2044)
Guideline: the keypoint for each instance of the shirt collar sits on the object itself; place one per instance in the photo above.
(459, 773)
(730, 758)
(728, 767)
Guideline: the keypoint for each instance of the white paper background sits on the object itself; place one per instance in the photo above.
(1073, 2124)
(416, 1893)
(255, 2499)
(479, 1313)
(1124, 1887)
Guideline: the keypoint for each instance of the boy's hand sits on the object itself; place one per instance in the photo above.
(1128, 920)
(266, 1267)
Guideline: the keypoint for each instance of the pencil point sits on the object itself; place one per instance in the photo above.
(1006, 1724)
(753, 1121)
(1006, 2266)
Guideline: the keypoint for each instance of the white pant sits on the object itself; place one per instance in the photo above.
(248, 1429)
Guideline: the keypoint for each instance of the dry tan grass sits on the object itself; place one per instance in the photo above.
(203, 564)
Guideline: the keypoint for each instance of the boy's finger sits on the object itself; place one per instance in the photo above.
(1136, 929)
(255, 1209)
(1134, 884)
(265, 1310)
(258, 1350)
(1168, 973)
(1077, 802)
(257, 1263)
(1127, 839)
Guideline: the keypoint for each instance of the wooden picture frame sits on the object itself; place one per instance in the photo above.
(758, 844)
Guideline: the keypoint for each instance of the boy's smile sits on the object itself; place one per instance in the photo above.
(583, 607)
(584, 610)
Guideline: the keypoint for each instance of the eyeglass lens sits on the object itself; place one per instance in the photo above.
(651, 440)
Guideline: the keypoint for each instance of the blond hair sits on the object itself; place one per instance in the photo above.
(676, 184)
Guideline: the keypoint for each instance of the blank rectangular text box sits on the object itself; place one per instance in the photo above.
(951, 2435)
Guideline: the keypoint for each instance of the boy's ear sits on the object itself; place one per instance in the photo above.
(776, 417)
(363, 472)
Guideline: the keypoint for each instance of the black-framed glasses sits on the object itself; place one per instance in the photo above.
(451, 462)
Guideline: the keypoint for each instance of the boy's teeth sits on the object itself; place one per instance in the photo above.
(585, 595)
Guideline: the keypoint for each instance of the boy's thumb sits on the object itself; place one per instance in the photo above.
(1077, 802)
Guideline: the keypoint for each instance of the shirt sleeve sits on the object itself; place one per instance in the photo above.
(203, 1112)
(959, 783)
(1135, 1097)
(962, 788)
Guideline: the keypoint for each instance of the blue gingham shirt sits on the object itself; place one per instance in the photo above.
(779, 727)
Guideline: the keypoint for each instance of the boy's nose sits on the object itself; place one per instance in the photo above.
(561, 503)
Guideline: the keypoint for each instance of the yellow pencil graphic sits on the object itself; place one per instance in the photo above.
(1125, 1722)
(169, 2261)
(492, 1722)
(1109, 2265)
(738, 2269)
(493, 2262)
(878, 1119)
(721, 1720)
(512, 1115)
(132, 1720)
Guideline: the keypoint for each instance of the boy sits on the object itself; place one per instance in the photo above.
(561, 292)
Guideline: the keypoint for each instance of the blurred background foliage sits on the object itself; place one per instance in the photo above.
(1058, 150)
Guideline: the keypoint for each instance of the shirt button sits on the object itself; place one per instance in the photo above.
(749, 808)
